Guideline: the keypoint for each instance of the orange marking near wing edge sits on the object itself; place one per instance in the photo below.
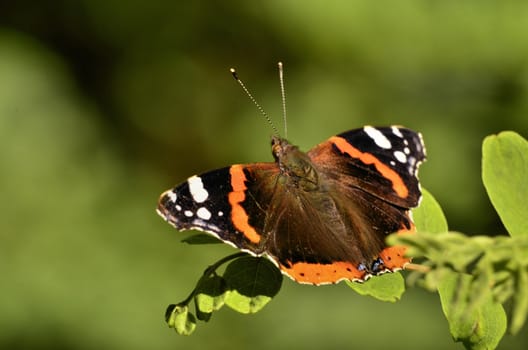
(393, 259)
(239, 216)
(397, 183)
(323, 273)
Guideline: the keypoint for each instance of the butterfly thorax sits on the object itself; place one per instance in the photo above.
(295, 165)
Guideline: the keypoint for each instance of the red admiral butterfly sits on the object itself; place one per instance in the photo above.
(320, 216)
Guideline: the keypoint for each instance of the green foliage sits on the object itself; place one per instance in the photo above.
(179, 318)
(247, 285)
(476, 275)
(252, 283)
(505, 176)
(479, 327)
(469, 274)
(386, 287)
(429, 217)
(210, 294)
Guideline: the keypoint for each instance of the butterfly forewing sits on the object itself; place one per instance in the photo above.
(218, 202)
(382, 161)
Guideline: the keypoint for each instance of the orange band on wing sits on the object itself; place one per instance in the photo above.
(239, 217)
(323, 273)
(397, 183)
(312, 273)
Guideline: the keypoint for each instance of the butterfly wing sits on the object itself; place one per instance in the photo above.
(370, 174)
(219, 202)
(381, 161)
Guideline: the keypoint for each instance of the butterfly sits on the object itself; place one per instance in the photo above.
(321, 216)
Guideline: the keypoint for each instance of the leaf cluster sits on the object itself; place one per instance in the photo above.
(246, 286)
(477, 276)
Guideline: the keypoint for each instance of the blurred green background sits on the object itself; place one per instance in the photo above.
(104, 105)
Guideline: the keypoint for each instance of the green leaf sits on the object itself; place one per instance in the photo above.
(179, 318)
(201, 238)
(453, 290)
(252, 283)
(210, 294)
(491, 326)
(201, 315)
(386, 287)
(428, 216)
(504, 173)
(520, 301)
(477, 328)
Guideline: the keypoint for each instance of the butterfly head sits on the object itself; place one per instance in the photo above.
(294, 164)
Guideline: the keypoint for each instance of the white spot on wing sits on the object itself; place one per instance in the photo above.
(198, 192)
(406, 150)
(172, 196)
(220, 213)
(178, 207)
(376, 135)
(188, 213)
(203, 213)
(400, 156)
(397, 132)
(413, 168)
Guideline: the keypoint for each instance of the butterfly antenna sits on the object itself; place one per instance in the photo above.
(261, 110)
(283, 96)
